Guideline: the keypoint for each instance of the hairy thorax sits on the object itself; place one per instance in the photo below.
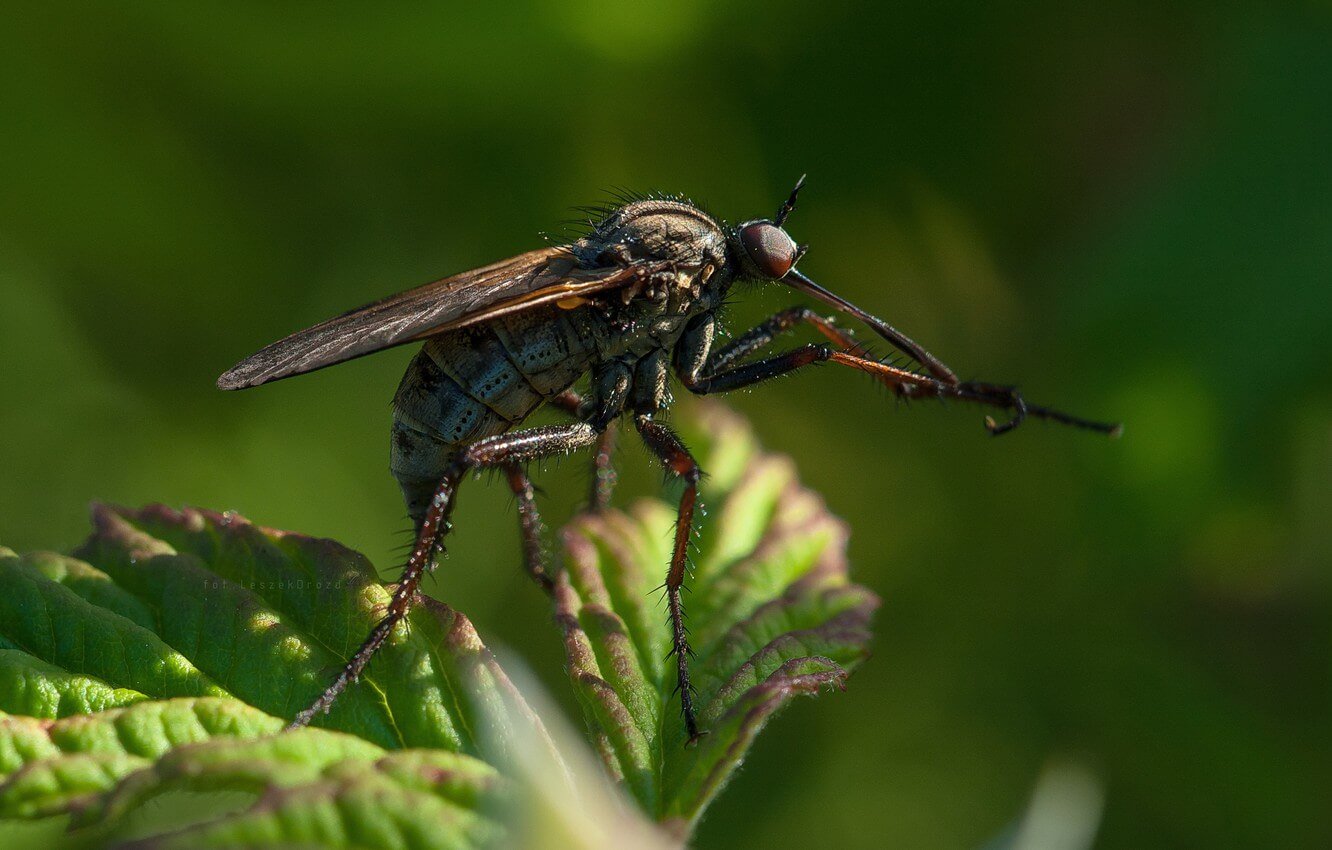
(481, 380)
(653, 312)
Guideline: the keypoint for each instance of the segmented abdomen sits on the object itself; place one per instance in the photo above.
(477, 382)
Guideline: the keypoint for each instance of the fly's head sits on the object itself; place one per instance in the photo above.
(764, 250)
(762, 246)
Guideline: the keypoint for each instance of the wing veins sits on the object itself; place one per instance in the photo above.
(521, 282)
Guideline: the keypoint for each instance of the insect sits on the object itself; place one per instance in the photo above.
(629, 305)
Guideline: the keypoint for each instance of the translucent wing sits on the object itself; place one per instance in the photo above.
(518, 283)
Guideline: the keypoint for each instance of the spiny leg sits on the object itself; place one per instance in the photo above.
(429, 538)
(905, 383)
(779, 323)
(783, 322)
(504, 450)
(664, 443)
(529, 527)
(911, 385)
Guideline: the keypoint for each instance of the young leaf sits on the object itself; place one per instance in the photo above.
(772, 615)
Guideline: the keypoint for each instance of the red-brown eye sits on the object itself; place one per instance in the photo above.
(769, 247)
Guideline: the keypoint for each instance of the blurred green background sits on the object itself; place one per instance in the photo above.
(1126, 206)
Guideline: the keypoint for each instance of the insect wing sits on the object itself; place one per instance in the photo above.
(518, 283)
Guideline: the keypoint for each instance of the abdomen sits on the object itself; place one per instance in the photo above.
(477, 382)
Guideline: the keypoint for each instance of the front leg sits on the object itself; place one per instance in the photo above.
(695, 357)
(781, 323)
(703, 374)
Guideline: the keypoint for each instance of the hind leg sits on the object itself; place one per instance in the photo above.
(506, 450)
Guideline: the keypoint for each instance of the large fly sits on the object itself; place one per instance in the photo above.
(631, 305)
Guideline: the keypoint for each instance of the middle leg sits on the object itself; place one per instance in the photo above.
(529, 527)
(668, 447)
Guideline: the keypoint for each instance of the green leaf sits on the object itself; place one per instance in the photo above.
(772, 615)
(45, 690)
(45, 763)
(165, 658)
(145, 682)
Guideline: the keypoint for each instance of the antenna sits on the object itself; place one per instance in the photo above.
(786, 208)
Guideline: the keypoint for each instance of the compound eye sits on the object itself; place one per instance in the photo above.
(769, 247)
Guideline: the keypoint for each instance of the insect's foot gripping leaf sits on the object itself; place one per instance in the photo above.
(772, 615)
